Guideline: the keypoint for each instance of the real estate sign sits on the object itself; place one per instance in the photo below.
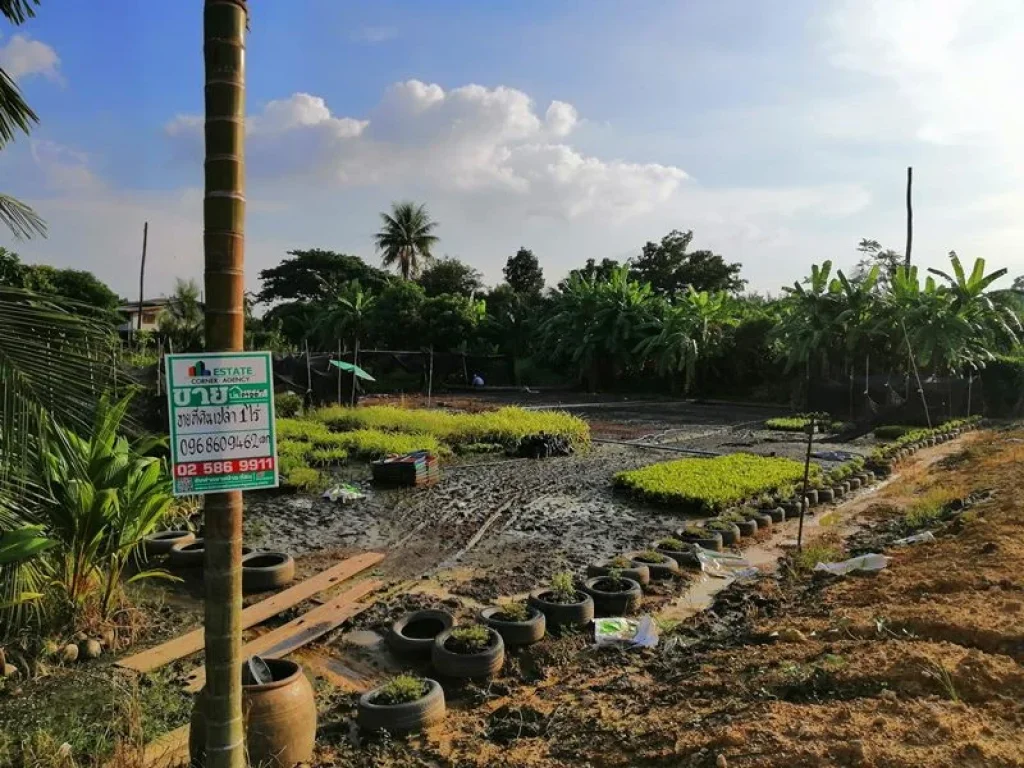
(221, 410)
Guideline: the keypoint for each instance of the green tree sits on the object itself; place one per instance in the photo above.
(885, 259)
(314, 274)
(449, 275)
(451, 321)
(406, 238)
(524, 274)
(396, 321)
(15, 116)
(594, 271)
(181, 321)
(345, 316)
(670, 269)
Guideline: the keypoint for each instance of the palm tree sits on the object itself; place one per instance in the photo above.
(406, 239)
(182, 319)
(346, 315)
(673, 345)
(224, 26)
(16, 115)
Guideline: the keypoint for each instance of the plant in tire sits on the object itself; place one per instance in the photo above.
(472, 639)
(401, 690)
(516, 611)
(563, 589)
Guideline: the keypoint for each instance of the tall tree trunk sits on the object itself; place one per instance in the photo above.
(224, 27)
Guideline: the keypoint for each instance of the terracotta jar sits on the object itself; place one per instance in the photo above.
(280, 719)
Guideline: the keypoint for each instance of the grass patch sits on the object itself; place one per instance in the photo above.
(305, 479)
(401, 690)
(799, 422)
(505, 426)
(929, 509)
(892, 431)
(707, 486)
(823, 550)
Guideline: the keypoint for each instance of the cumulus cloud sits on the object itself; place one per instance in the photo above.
(63, 168)
(21, 57)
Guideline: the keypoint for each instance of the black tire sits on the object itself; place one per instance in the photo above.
(778, 514)
(468, 666)
(424, 626)
(847, 487)
(826, 495)
(667, 569)
(854, 483)
(747, 528)
(563, 615)
(161, 542)
(410, 717)
(711, 540)
(811, 497)
(730, 536)
(838, 491)
(262, 571)
(764, 522)
(187, 555)
(623, 603)
(638, 572)
(516, 633)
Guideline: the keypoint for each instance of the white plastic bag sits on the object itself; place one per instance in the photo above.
(721, 565)
(628, 633)
(917, 538)
(870, 562)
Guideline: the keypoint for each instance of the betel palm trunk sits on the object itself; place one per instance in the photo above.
(224, 26)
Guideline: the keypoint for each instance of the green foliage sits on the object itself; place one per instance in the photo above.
(406, 238)
(72, 284)
(313, 275)
(669, 269)
(474, 638)
(449, 320)
(563, 587)
(820, 551)
(346, 314)
(514, 610)
(304, 479)
(651, 557)
(1003, 381)
(788, 423)
(304, 430)
(324, 457)
(373, 444)
(523, 273)
(506, 426)
(709, 485)
(182, 321)
(675, 545)
(287, 404)
(401, 689)
(620, 562)
(450, 276)
(888, 451)
(892, 431)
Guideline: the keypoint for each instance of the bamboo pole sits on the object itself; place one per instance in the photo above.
(803, 494)
(355, 362)
(224, 27)
(430, 376)
(142, 272)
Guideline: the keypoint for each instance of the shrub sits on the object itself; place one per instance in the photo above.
(892, 431)
(300, 429)
(563, 589)
(304, 479)
(706, 486)
(620, 561)
(287, 404)
(472, 639)
(513, 611)
(675, 545)
(325, 457)
(373, 444)
(401, 690)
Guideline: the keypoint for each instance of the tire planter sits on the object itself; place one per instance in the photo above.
(622, 603)
(408, 717)
(563, 615)
(779, 514)
(262, 571)
(710, 540)
(516, 633)
(190, 555)
(638, 572)
(747, 527)
(670, 567)
(811, 497)
(764, 522)
(414, 634)
(838, 491)
(161, 542)
(826, 496)
(280, 719)
(847, 487)
(854, 483)
(465, 666)
(730, 536)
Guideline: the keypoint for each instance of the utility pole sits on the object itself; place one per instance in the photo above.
(224, 27)
(910, 216)
(142, 273)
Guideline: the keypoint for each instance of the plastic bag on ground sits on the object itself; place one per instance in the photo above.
(871, 562)
(626, 633)
(344, 493)
(721, 565)
(917, 538)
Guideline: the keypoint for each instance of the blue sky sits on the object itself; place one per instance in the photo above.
(779, 132)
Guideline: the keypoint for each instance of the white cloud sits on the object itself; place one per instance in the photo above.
(63, 168)
(21, 57)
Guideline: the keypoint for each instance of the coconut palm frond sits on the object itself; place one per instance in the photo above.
(20, 219)
(15, 114)
(18, 11)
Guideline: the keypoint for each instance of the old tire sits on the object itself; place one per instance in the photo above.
(811, 497)
(730, 536)
(262, 571)
(622, 603)
(187, 555)
(826, 495)
(516, 633)
(711, 540)
(161, 542)
(747, 528)
(467, 666)
(778, 514)
(764, 521)
(667, 569)
(638, 572)
(414, 634)
(563, 615)
(409, 717)
(854, 483)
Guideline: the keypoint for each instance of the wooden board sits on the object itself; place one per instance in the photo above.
(297, 632)
(187, 644)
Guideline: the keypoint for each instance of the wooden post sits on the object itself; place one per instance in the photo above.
(917, 375)
(803, 494)
(355, 362)
(309, 367)
(339, 372)
(224, 27)
(142, 273)
(910, 216)
(430, 376)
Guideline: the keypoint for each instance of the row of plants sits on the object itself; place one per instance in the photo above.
(709, 486)
(800, 421)
(883, 457)
(505, 426)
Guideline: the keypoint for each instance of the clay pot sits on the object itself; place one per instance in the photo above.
(280, 719)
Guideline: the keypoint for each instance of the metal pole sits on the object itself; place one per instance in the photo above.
(339, 372)
(803, 494)
(142, 272)
(355, 362)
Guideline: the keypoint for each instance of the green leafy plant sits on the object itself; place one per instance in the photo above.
(650, 556)
(515, 610)
(401, 689)
(472, 639)
(563, 587)
(614, 581)
(677, 545)
(620, 562)
(287, 404)
(304, 479)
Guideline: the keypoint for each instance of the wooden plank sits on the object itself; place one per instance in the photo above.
(257, 613)
(168, 751)
(297, 632)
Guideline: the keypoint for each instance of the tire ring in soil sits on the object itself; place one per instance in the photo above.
(674, 560)
(712, 541)
(187, 555)
(409, 717)
(623, 603)
(764, 522)
(811, 497)
(640, 573)
(562, 615)
(854, 483)
(516, 633)
(826, 495)
(161, 542)
(747, 528)
(404, 645)
(778, 514)
(730, 536)
(468, 666)
(260, 578)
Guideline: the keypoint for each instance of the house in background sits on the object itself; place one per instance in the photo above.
(151, 309)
